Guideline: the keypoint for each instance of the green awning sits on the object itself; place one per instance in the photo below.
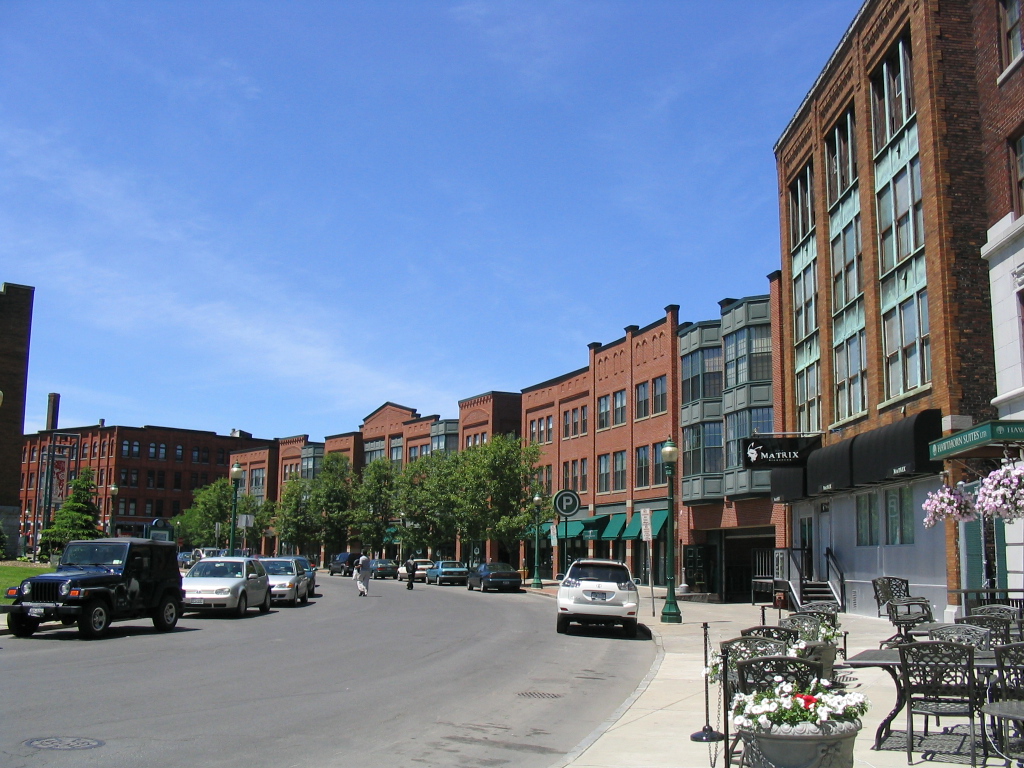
(392, 535)
(569, 530)
(544, 528)
(986, 440)
(658, 518)
(614, 527)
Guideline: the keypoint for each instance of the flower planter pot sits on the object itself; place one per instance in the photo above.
(804, 745)
(822, 652)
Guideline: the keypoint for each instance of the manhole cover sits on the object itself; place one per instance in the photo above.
(64, 742)
(539, 695)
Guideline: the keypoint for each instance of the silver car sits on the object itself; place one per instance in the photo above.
(288, 580)
(226, 584)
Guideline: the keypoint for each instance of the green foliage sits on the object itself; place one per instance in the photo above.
(429, 500)
(297, 522)
(376, 505)
(3, 542)
(263, 519)
(210, 505)
(331, 496)
(77, 518)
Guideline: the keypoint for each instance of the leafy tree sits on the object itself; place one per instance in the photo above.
(428, 497)
(297, 522)
(210, 505)
(331, 495)
(376, 504)
(77, 518)
(263, 519)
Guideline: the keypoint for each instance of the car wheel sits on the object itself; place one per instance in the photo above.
(22, 625)
(469, 586)
(562, 625)
(95, 620)
(243, 605)
(167, 614)
(265, 605)
(305, 596)
(395, 576)
(629, 628)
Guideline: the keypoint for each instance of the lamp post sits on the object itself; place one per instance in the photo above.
(113, 490)
(536, 583)
(670, 614)
(236, 477)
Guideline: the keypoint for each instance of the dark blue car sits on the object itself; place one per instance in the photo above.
(500, 576)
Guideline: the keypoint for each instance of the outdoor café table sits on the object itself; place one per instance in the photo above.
(889, 660)
(1005, 711)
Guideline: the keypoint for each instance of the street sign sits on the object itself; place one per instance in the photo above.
(554, 535)
(246, 521)
(590, 535)
(476, 550)
(645, 525)
(567, 503)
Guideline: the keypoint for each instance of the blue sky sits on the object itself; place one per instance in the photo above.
(277, 216)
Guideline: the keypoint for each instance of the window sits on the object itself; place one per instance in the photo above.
(748, 355)
(565, 474)
(702, 374)
(583, 475)
(179, 453)
(892, 91)
(643, 467)
(1018, 151)
(619, 471)
(867, 520)
(566, 425)
(161, 452)
(206, 455)
(604, 473)
(643, 403)
(805, 295)
(907, 345)
(195, 455)
(899, 516)
(31, 480)
(808, 399)
(152, 450)
(551, 429)
(850, 374)
(414, 453)
(619, 407)
(692, 464)
(221, 457)
(177, 481)
(900, 216)
(103, 449)
(659, 388)
(151, 478)
(702, 448)
(374, 450)
(575, 421)
(841, 158)
(659, 464)
(583, 419)
(136, 449)
(801, 207)
(846, 266)
(603, 412)
(533, 430)
(737, 427)
(761, 421)
(575, 475)
(125, 450)
(547, 478)
(85, 450)
(1012, 41)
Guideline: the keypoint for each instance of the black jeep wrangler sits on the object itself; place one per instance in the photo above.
(98, 582)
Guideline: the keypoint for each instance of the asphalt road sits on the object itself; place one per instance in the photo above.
(436, 676)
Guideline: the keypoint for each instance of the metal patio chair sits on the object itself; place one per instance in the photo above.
(1009, 672)
(806, 624)
(979, 638)
(785, 634)
(765, 672)
(889, 588)
(905, 614)
(998, 626)
(733, 652)
(1011, 612)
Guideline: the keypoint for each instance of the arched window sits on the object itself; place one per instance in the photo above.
(162, 452)
(152, 450)
(125, 449)
(179, 453)
(85, 450)
(136, 449)
(74, 451)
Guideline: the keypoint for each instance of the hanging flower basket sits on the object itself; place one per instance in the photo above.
(948, 503)
(1002, 494)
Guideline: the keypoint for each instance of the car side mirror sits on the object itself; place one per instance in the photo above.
(559, 576)
(636, 580)
(253, 576)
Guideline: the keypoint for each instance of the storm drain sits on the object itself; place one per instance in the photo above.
(64, 742)
(539, 695)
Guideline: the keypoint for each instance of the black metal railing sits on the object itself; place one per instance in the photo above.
(835, 577)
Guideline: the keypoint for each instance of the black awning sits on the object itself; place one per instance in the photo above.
(788, 484)
(830, 469)
(897, 450)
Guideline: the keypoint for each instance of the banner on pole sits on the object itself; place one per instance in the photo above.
(645, 525)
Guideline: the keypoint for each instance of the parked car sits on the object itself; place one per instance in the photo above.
(227, 584)
(421, 570)
(343, 563)
(450, 571)
(100, 581)
(185, 560)
(500, 576)
(598, 592)
(199, 554)
(383, 569)
(310, 573)
(288, 580)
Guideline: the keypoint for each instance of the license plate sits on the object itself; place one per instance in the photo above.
(598, 595)
(195, 601)
(35, 612)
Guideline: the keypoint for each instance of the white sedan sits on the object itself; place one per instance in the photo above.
(421, 570)
(288, 580)
(226, 584)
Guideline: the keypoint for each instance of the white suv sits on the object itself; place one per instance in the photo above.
(598, 592)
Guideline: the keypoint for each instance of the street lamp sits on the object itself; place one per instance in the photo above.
(536, 583)
(670, 614)
(114, 490)
(236, 478)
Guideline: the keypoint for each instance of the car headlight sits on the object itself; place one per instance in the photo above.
(222, 591)
(26, 588)
(64, 588)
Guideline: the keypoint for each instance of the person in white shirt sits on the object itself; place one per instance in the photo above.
(362, 575)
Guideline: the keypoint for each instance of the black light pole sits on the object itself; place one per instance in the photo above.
(114, 490)
(671, 614)
(536, 583)
(236, 477)
(707, 734)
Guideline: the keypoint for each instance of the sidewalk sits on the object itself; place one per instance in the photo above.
(652, 728)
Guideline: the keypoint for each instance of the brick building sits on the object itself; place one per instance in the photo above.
(601, 429)
(15, 333)
(155, 471)
(885, 333)
(492, 413)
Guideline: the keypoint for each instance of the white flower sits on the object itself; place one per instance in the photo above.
(763, 721)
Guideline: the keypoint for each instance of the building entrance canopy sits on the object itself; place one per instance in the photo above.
(988, 440)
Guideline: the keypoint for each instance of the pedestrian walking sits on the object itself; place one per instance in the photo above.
(410, 572)
(361, 573)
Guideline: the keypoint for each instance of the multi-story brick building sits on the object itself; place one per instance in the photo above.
(492, 413)
(601, 430)
(155, 471)
(726, 397)
(885, 336)
(15, 333)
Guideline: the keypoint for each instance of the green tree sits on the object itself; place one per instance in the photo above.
(332, 495)
(210, 505)
(297, 522)
(376, 504)
(428, 499)
(77, 518)
(263, 520)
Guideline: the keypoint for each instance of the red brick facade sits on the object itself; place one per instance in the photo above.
(15, 332)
